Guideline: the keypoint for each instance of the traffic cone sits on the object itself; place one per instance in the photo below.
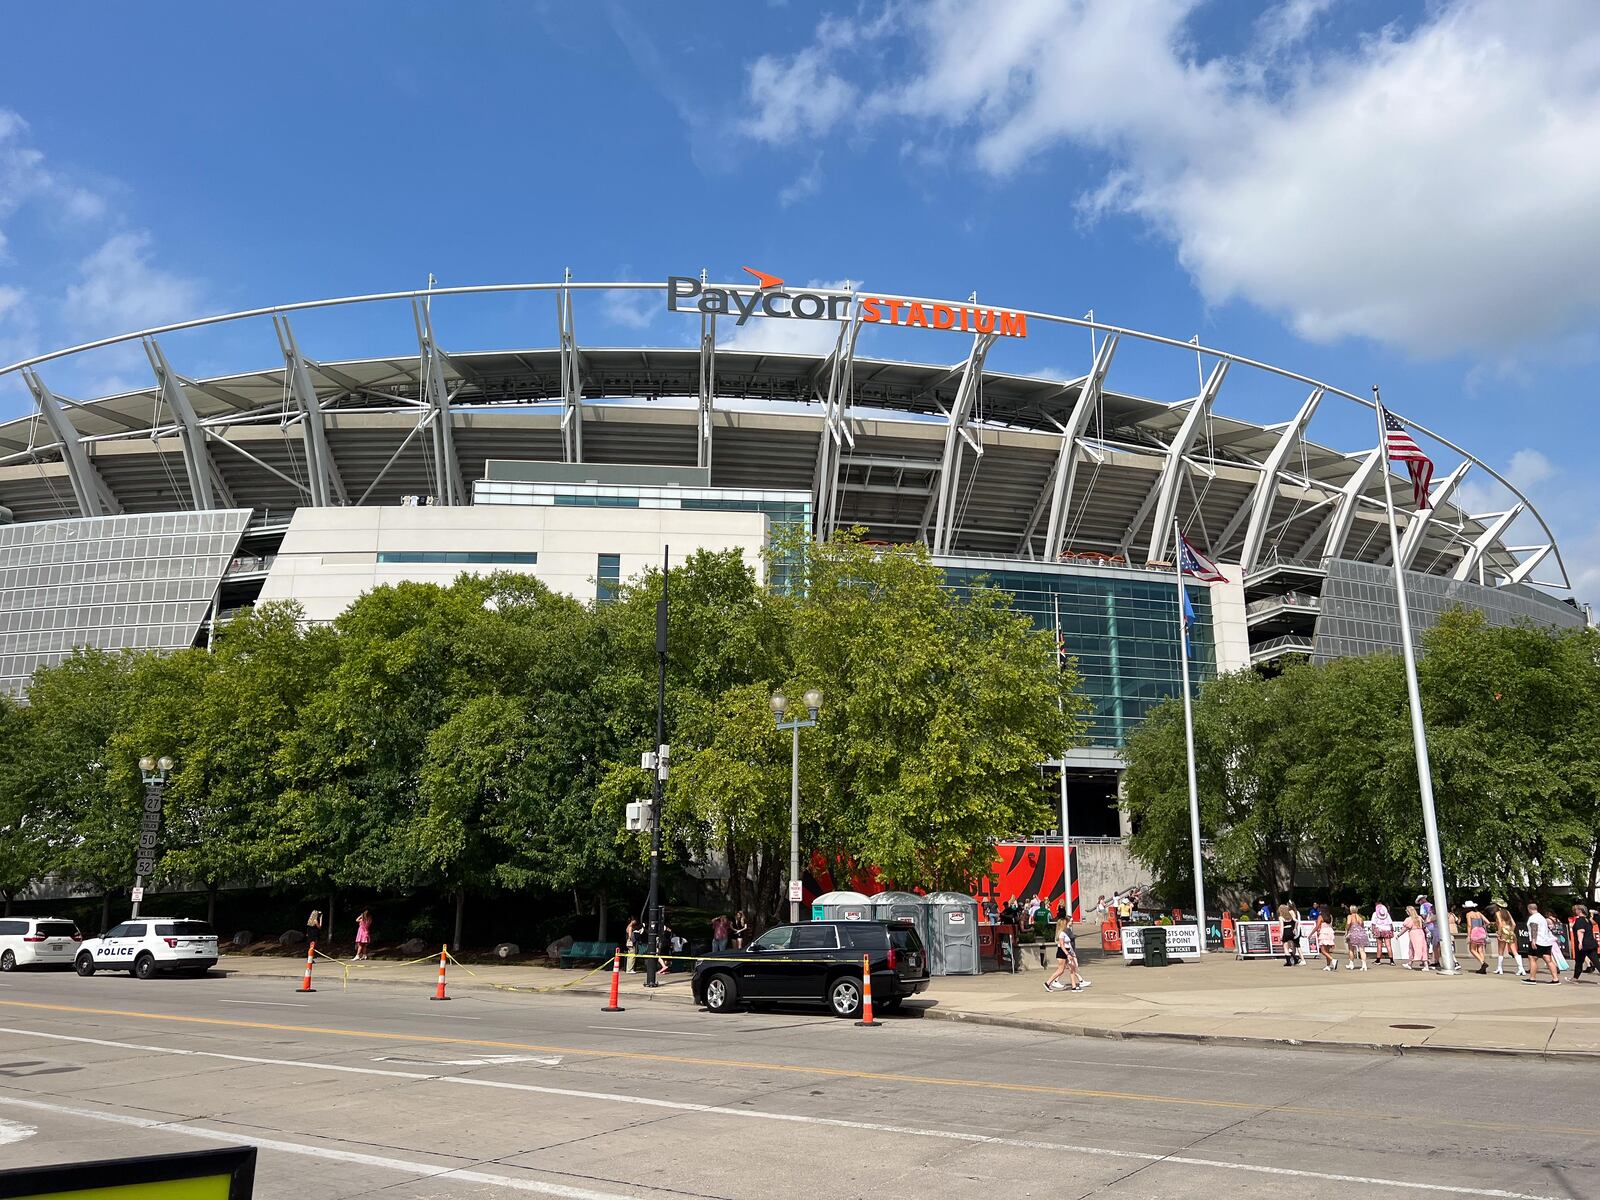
(444, 952)
(866, 995)
(616, 983)
(305, 984)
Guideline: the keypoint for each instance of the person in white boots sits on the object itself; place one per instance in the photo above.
(1355, 940)
(1505, 940)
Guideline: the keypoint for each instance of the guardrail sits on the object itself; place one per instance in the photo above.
(1286, 600)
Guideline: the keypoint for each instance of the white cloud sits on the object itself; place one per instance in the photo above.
(803, 186)
(1434, 189)
(630, 308)
(119, 289)
(781, 335)
(1529, 469)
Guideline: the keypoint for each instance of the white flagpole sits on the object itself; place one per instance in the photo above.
(1419, 736)
(1066, 839)
(1188, 741)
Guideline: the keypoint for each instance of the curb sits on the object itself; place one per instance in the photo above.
(1392, 1049)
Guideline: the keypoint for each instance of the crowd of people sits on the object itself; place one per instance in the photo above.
(1419, 936)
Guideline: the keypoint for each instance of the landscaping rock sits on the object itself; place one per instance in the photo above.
(243, 938)
(413, 947)
(554, 949)
(291, 937)
(507, 950)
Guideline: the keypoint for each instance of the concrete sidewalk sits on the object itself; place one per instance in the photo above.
(1217, 999)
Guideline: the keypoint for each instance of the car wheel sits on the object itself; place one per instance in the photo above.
(8, 961)
(722, 993)
(144, 967)
(85, 965)
(844, 996)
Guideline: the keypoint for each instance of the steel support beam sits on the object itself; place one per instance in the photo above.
(449, 486)
(1492, 532)
(708, 389)
(1526, 567)
(94, 498)
(1066, 468)
(327, 487)
(1173, 470)
(1343, 517)
(571, 381)
(836, 436)
(206, 485)
(1417, 527)
(943, 503)
(1266, 490)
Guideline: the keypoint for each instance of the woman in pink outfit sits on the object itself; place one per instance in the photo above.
(363, 932)
(1416, 939)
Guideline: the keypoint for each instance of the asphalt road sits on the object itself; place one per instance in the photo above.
(376, 1090)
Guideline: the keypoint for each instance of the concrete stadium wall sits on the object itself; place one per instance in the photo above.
(1105, 868)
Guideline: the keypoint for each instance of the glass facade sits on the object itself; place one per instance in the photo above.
(112, 583)
(784, 510)
(476, 557)
(1360, 615)
(607, 577)
(1120, 625)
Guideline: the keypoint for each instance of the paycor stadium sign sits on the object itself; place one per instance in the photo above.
(771, 299)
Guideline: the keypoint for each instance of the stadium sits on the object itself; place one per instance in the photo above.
(141, 519)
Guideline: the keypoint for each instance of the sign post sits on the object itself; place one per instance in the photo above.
(154, 773)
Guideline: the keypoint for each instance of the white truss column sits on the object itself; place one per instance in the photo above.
(571, 381)
(327, 487)
(1066, 468)
(708, 389)
(944, 499)
(1342, 519)
(1265, 494)
(206, 485)
(1536, 555)
(94, 498)
(436, 395)
(1173, 469)
(1417, 527)
(1497, 524)
(839, 367)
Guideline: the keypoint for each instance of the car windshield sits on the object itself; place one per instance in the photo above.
(185, 929)
(774, 939)
(57, 929)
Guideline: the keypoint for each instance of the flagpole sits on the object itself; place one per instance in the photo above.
(1066, 839)
(1188, 740)
(1419, 736)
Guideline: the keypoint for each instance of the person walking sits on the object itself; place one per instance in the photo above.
(721, 934)
(314, 927)
(1430, 930)
(363, 933)
(1540, 943)
(1585, 945)
(1416, 940)
(1289, 916)
(630, 938)
(1477, 936)
(1505, 940)
(1323, 936)
(1066, 961)
(1355, 940)
(741, 930)
(1382, 933)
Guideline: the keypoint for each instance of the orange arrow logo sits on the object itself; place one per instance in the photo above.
(766, 281)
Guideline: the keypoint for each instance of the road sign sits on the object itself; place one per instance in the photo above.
(145, 864)
(152, 803)
(138, 895)
(796, 891)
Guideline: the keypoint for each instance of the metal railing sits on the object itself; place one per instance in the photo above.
(1286, 600)
(1288, 643)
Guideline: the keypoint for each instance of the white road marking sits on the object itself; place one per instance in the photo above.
(485, 1060)
(642, 1029)
(13, 1131)
(789, 1118)
(273, 1003)
(327, 1153)
(451, 1015)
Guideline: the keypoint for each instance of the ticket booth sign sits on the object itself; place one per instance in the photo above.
(1258, 939)
(1183, 941)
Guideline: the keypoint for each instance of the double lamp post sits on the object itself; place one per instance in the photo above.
(780, 704)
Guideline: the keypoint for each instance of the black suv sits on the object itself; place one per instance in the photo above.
(819, 961)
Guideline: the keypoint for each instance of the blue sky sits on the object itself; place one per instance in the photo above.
(1411, 200)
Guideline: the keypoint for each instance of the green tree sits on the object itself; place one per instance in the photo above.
(29, 841)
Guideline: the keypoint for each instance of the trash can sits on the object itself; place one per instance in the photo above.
(1155, 945)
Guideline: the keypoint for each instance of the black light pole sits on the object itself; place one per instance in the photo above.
(653, 905)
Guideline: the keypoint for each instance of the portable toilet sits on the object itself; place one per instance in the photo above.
(841, 906)
(953, 946)
(905, 906)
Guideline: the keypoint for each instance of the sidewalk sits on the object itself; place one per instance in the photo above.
(1218, 999)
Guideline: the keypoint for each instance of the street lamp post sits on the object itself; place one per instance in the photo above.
(780, 703)
(153, 772)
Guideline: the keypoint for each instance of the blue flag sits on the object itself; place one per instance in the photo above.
(1188, 620)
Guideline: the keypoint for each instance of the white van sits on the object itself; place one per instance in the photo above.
(30, 941)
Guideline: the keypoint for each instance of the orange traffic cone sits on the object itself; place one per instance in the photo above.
(616, 983)
(444, 952)
(305, 984)
(866, 995)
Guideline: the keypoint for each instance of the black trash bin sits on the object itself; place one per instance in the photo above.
(1155, 945)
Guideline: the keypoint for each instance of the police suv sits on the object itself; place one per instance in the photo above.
(150, 944)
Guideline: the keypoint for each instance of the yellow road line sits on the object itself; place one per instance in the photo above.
(1037, 1089)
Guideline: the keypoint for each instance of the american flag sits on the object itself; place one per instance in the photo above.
(1192, 562)
(1400, 446)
